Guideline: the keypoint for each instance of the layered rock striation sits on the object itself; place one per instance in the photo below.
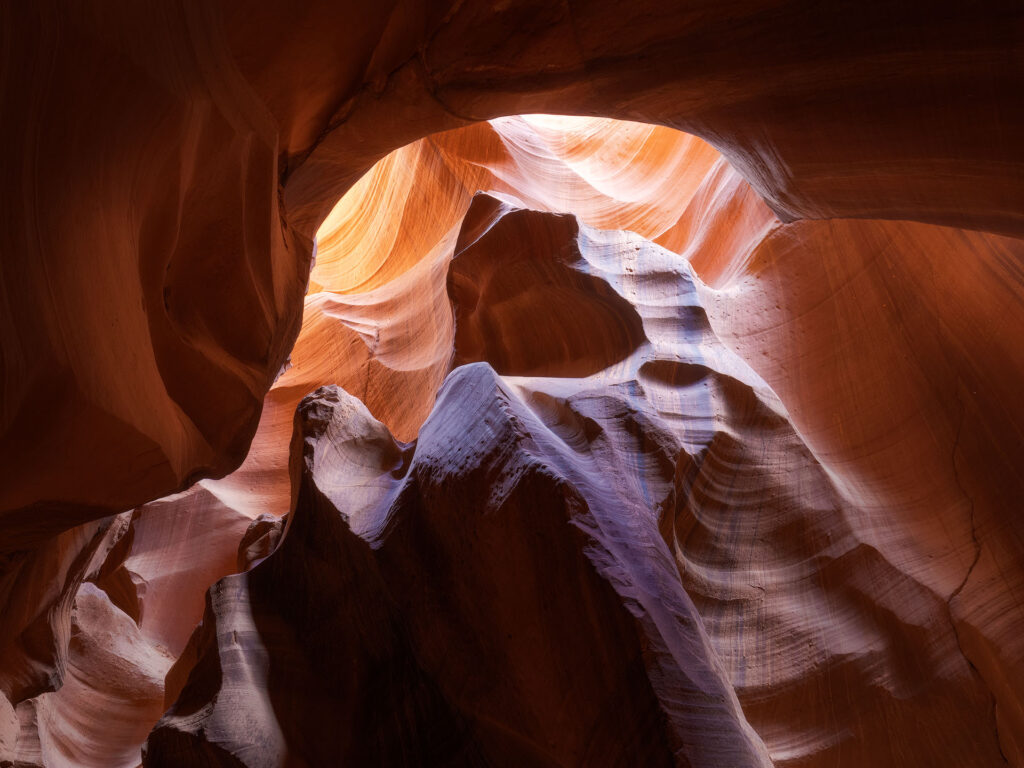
(844, 521)
(174, 214)
(660, 517)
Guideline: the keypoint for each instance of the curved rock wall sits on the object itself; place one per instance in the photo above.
(174, 215)
(777, 624)
(157, 245)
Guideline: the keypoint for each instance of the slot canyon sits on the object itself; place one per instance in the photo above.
(512, 383)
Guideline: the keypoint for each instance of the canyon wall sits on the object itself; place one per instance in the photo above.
(174, 214)
(841, 509)
(784, 616)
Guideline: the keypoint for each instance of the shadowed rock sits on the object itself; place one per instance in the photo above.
(527, 302)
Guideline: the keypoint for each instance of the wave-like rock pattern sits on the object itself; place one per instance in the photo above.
(202, 167)
(377, 318)
(168, 170)
(665, 510)
(114, 689)
(87, 676)
(37, 592)
(391, 345)
(887, 340)
(458, 656)
(907, 404)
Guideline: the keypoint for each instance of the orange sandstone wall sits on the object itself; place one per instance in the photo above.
(167, 173)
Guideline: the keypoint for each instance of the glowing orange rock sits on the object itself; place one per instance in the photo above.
(165, 176)
(698, 502)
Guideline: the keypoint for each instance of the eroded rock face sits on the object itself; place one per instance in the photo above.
(168, 171)
(720, 575)
(186, 541)
(530, 268)
(38, 589)
(882, 350)
(112, 692)
(97, 660)
(378, 321)
(206, 163)
(111, 350)
(912, 423)
(458, 654)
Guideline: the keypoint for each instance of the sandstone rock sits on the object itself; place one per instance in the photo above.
(203, 169)
(378, 321)
(465, 652)
(112, 693)
(37, 589)
(260, 539)
(579, 325)
(839, 497)
(906, 403)
(716, 557)
(111, 661)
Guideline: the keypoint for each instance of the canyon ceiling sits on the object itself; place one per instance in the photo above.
(357, 409)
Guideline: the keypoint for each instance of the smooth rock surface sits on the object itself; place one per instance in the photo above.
(174, 214)
(845, 518)
(740, 563)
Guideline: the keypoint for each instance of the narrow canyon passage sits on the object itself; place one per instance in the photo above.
(589, 479)
(361, 406)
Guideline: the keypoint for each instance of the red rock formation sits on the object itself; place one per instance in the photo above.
(202, 170)
(898, 376)
(36, 595)
(533, 310)
(377, 319)
(488, 689)
(112, 693)
(668, 465)
(188, 541)
(167, 171)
